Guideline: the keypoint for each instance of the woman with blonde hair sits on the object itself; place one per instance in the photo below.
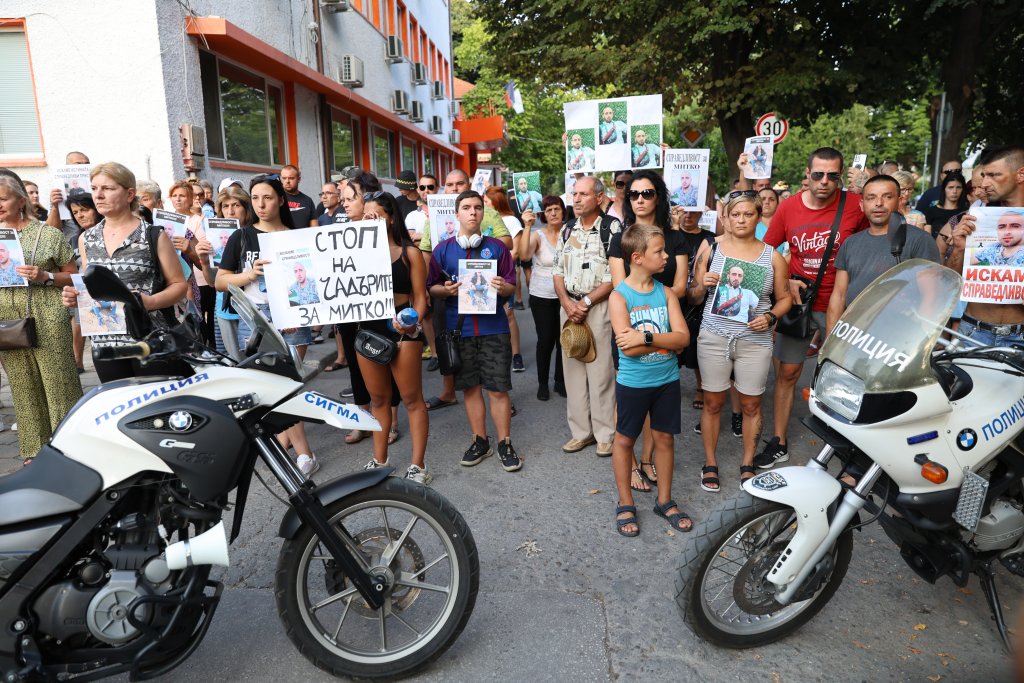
(232, 202)
(44, 380)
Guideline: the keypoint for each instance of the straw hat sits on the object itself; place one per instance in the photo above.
(578, 341)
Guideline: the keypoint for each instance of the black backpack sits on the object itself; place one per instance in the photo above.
(605, 228)
(168, 314)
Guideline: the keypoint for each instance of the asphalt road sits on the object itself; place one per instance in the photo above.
(592, 605)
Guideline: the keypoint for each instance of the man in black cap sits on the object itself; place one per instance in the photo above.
(407, 192)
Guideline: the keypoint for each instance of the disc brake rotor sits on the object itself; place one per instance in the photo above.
(373, 542)
(751, 590)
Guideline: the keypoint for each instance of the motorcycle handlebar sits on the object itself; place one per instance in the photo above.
(139, 350)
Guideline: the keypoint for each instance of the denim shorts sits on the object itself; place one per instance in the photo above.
(987, 337)
(300, 336)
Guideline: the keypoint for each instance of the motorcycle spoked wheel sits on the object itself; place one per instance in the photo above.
(722, 590)
(433, 575)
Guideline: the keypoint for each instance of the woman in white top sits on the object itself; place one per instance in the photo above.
(540, 247)
(496, 198)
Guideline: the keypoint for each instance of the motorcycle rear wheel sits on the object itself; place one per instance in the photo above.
(407, 531)
(721, 587)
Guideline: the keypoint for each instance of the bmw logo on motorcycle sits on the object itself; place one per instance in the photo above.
(180, 421)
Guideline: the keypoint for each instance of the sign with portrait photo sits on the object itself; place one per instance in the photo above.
(336, 273)
(475, 292)
(686, 174)
(526, 195)
(441, 214)
(760, 151)
(11, 257)
(860, 161)
(738, 291)
(218, 232)
(994, 257)
(68, 178)
(613, 134)
(173, 224)
(97, 317)
(481, 180)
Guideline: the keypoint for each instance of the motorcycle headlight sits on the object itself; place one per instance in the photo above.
(839, 390)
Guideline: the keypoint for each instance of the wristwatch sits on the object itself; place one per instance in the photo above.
(648, 337)
(49, 279)
(587, 301)
(772, 318)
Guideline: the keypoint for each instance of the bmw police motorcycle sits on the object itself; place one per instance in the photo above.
(108, 539)
(927, 436)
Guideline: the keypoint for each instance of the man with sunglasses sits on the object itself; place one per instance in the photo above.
(417, 220)
(804, 221)
(933, 195)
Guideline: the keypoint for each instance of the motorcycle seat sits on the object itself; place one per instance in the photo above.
(52, 484)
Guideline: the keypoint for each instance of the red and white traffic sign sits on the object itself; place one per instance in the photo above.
(770, 124)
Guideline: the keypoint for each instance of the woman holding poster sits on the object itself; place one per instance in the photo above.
(409, 280)
(242, 266)
(735, 343)
(44, 380)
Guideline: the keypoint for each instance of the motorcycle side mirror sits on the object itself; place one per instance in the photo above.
(104, 285)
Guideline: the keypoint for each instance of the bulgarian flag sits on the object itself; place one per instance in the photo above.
(513, 97)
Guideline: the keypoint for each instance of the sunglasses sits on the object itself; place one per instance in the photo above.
(428, 187)
(646, 194)
(742, 193)
(951, 170)
(833, 176)
(620, 184)
(263, 177)
(370, 196)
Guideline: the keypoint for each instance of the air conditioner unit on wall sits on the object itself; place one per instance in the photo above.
(436, 125)
(394, 51)
(400, 102)
(455, 137)
(455, 108)
(351, 72)
(417, 111)
(437, 92)
(333, 6)
(419, 74)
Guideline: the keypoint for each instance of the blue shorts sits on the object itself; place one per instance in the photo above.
(301, 336)
(634, 405)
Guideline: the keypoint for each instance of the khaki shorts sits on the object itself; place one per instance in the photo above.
(793, 350)
(744, 365)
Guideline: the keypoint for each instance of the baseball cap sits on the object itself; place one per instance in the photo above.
(228, 182)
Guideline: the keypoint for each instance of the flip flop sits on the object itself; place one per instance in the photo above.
(635, 475)
(435, 402)
(355, 436)
(335, 366)
(393, 436)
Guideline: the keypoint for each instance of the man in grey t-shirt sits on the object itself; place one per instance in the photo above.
(866, 255)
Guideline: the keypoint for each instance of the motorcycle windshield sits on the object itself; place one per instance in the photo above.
(272, 341)
(886, 335)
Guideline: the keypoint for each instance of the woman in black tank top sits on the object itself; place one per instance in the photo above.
(409, 281)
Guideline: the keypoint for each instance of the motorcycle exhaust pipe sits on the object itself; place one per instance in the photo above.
(209, 547)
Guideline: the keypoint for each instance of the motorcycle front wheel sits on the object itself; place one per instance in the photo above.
(721, 588)
(402, 530)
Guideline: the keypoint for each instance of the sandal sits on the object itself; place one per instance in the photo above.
(698, 403)
(709, 483)
(355, 436)
(675, 518)
(336, 365)
(747, 469)
(621, 523)
(636, 478)
(652, 479)
(435, 402)
(393, 435)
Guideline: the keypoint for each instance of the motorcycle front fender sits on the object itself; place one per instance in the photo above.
(332, 491)
(809, 491)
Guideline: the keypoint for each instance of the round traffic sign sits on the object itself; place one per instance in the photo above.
(770, 124)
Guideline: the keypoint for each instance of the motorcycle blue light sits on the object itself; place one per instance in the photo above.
(921, 438)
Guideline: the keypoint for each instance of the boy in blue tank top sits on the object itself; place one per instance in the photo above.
(649, 331)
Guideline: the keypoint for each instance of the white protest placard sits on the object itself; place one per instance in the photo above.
(613, 133)
(475, 292)
(708, 220)
(11, 256)
(71, 177)
(337, 273)
(860, 161)
(481, 180)
(218, 232)
(759, 151)
(173, 224)
(686, 174)
(994, 257)
(441, 214)
(97, 317)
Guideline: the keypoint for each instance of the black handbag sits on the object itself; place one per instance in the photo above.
(449, 360)
(375, 346)
(796, 322)
(21, 333)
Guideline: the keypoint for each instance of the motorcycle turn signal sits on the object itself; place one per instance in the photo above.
(932, 471)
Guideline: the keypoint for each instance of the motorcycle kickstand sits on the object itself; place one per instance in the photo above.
(988, 584)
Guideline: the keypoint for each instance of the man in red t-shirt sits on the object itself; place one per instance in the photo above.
(804, 221)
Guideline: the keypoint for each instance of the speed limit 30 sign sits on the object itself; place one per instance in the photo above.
(770, 124)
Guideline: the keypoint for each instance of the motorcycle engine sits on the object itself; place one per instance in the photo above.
(1001, 527)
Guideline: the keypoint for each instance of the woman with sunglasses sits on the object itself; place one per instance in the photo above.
(409, 279)
(544, 304)
(647, 202)
(735, 341)
(617, 208)
(243, 266)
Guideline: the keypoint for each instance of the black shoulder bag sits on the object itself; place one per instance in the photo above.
(21, 332)
(797, 321)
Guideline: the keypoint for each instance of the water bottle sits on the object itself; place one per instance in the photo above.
(407, 317)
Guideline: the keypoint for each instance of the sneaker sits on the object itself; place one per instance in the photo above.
(433, 364)
(510, 461)
(418, 475)
(696, 429)
(347, 392)
(318, 338)
(577, 445)
(427, 353)
(773, 452)
(477, 451)
(308, 464)
(737, 425)
(542, 393)
(560, 389)
(373, 464)
(517, 363)
(604, 449)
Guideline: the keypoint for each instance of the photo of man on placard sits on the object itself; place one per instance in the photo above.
(736, 295)
(686, 193)
(646, 150)
(302, 291)
(579, 155)
(612, 129)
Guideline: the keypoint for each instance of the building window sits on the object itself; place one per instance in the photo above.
(19, 118)
(381, 143)
(244, 120)
(428, 161)
(408, 156)
(343, 143)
